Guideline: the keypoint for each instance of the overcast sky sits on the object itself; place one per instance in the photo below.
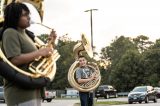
(113, 18)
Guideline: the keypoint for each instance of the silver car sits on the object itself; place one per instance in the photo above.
(2, 93)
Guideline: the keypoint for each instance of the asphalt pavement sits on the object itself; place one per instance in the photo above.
(71, 102)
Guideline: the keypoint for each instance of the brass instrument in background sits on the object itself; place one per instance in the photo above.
(83, 46)
(44, 66)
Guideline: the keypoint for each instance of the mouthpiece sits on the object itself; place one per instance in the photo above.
(32, 22)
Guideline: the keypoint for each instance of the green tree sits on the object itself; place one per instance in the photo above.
(142, 43)
(65, 49)
(152, 63)
(121, 52)
(128, 73)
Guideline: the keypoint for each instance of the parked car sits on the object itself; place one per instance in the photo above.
(106, 91)
(2, 93)
(49, 95)
(157, 91)
(142, 93)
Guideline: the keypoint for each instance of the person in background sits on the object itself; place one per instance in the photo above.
(83, 75)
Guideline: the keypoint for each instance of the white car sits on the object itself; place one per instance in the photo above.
(49, 95)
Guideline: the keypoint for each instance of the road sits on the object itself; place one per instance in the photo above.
(61, 102)
(56, 102)
(135, 104)
(71, 102)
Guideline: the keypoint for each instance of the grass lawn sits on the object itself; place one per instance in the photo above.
(106, 103)
(113, 102)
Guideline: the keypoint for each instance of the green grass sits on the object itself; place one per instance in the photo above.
(106, 103)
(113, 102)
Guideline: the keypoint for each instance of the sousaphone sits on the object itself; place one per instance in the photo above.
(79, 48)
(42, 70)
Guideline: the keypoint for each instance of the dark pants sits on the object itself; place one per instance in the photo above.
(86, 98)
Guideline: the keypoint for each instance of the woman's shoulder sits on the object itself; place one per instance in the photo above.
(10, 33)
(10, 30)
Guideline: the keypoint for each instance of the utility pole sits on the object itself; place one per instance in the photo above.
(90, 10)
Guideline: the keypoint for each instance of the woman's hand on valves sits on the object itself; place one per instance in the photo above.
(45, 52)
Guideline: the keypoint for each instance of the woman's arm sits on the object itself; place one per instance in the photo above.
(28, 57)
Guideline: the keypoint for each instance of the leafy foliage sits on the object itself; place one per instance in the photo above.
(133, 62)
(65, 49)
